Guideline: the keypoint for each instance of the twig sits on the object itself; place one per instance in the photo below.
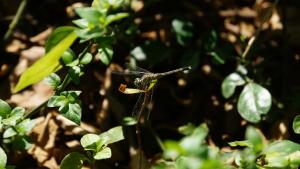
(252, 40)
(16, 19)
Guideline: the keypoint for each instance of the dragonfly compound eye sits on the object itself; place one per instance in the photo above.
(137, 81)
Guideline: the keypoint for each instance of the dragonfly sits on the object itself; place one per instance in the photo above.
(145, 82)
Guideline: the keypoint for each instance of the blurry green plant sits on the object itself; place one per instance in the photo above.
(192, 152)
(13, 127)
(95, 146)
(254, 100)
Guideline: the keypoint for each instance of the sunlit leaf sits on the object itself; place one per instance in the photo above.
(9, 133)
(115, 17)
(103, 154)
(253, 102)
(88, 141)
(3, 158)
(58, 34)
(92, 15)
(46, 65)
(53, 80)
(255, 138)
(112, 135)
(86, 59)
(230, 83)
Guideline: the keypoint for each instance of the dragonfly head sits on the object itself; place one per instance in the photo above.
(137, 82)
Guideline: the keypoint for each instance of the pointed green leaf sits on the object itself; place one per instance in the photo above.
(57, 101)
(112, 135)
(230, 83)
(115, 17)
(72, 112)
(92, 15)
(253, 102)
(25, 126)
(15, 115)
(58, 34)
(53, 80)
(4, 108)
(73, 161)
(87, 58)
(255, 138)
(9, 133)
(103, 154)
(105, 53)
(46, 65)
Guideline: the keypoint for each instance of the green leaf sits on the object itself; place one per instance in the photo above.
(46, 65)
(112, 135)
(103, 154)
(4, 108)
(183, 30)
(211, 41)
(88, 141)
(58, 35)
(86, 59)
(92, 15)
(255, 138)
(15, 115)
(57, 101)
(172, 149)
(105, 53)
(296, 124)
(115, 17)
(278, 153)
(3, 158)
(87, 34)
(187, 129)
(193, 142)
(230, 83)
(9, 133)
(216, 58)
(253, 102)
(25, 126)
(53, 80)
(73, 161)
(72, 112)
(129, 121)
(82, 23)
(244, 143)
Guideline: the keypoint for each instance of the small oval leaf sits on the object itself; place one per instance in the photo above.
(253, 102)
(3, 158)
(73, 161)
(230, 83)
(296, 124)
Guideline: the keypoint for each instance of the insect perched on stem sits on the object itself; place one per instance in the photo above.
(144, 83)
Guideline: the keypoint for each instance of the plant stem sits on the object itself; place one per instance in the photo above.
(16, 19)
(252, 40)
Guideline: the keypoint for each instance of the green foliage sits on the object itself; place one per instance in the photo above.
(96, 145)
(253, 102)
(73, 161)
(3, 159)
(191, 152)
(296, 124)
(53, 80)
(183, 31)
(69, 105)
(14, 127)
(230, 83)
(46, 65)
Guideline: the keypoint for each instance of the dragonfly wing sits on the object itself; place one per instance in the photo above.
(136, 68)
(138, 107)
(149, 103)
